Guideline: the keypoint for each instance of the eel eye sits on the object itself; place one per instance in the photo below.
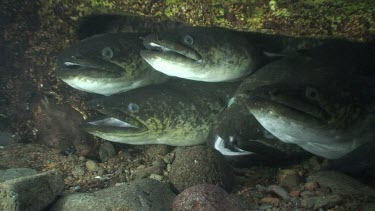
(133, 107)
(312, 93)
(188, 40)
(107, 53)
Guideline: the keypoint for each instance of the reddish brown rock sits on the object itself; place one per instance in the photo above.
(200, 165)
(58, 126)
(295, 193)
(311, 186)
(205, 197)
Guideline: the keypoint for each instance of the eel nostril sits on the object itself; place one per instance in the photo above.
(76, 57)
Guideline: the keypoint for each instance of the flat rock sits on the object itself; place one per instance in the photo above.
(33, 192)
(205, 197)
(340, 183)
(14, 173)
(200, 164)
(279, 191)
(318, 202)
(142, 195)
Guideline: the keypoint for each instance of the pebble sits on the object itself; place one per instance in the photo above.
(306, 194)
(271, 201)
(82, 158)
(156, 177)
(144, 172)
(141, 167)
(139, 174)
(295, 193)
(106, 151)
(279, 191)
(78, 171)
(169, 158)
(75, 188)
(156, 150)
(159, 163)
(101, 171)
(169, 166)
(289, 179)
(311, 186)
(154, 170)
(92, 166)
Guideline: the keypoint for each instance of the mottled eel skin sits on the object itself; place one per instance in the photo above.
(107, 60)
(178, 113)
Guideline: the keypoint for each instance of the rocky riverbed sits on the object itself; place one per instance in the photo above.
(158, 177)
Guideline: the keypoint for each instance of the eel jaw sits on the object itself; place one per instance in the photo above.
(222, 146)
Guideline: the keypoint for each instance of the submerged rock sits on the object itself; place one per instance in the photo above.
(279, 191)
(106, 151)
(57, 126)
(155, 150)
(289, 179)
(205, 197)
(340, 183)
(318, 202)
(7, 138)
(270, 200)
(14, 173)
(197, 165)
(142, 195)
(93, 166)
(33, 192)
(145, 172)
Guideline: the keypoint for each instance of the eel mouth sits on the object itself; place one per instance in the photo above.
(74, 66)
(166, 50)
(227, 148)
(126, 125)
(283, 103)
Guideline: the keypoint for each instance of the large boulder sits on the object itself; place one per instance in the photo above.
(205, 197)
(198, 165)
(33, 192)
(142, 195)
(340, 183)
